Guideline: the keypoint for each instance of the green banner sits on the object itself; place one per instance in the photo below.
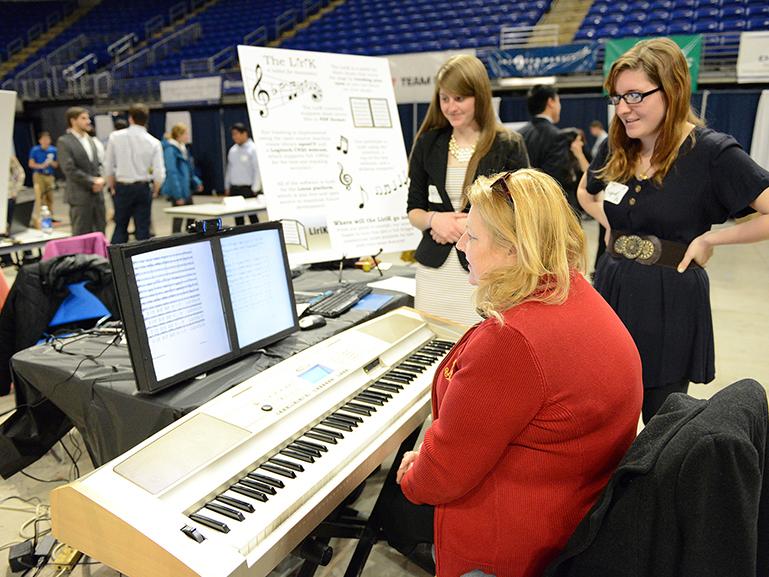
(691, 45)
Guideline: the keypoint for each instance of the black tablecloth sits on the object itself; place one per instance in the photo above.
(88, 382)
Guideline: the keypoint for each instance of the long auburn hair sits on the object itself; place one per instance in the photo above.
(465, 75)
(664, 64)
(540, 226)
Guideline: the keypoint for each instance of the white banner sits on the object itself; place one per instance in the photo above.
(753, 58)
(7, 111)
(414, 74)
(208, 89)
(330, 151)
(759, 147)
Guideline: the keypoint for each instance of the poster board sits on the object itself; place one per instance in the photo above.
(330, 150)
(7, 111)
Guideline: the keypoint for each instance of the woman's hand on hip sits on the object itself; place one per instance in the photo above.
(699, 251)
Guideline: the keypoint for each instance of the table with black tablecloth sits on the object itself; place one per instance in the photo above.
(88, 381)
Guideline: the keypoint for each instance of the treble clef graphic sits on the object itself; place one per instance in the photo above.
(344, 178)
(260, 95)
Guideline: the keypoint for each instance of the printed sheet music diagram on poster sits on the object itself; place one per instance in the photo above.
(330, 150)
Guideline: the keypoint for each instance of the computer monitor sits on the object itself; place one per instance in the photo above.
(191, 303)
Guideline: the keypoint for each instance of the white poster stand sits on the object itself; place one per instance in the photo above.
(330, 151)
(7, 111)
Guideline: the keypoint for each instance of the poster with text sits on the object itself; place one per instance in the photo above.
(330, 151)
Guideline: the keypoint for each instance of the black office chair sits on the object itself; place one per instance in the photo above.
(690, 498)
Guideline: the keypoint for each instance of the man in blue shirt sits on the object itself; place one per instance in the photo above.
(43, 161)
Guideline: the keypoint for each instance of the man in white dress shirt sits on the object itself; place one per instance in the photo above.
(242, 177)
(80, 164)
(135, 169)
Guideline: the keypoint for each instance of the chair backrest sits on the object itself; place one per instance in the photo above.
(690, 497)
(90, 243)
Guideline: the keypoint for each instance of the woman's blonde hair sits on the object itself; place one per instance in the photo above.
(542, 229)
(664, 64)
(465, 75)
(177, 130)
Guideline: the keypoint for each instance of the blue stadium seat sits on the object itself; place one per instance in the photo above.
(733, 11)
(680, 27)
(682, 14)
(716, 3)
(586, 33)
(760, 22)
(636, 16)
(707, 12)
(705, 25)
(732, 24)
(631, 30)
(655, 29)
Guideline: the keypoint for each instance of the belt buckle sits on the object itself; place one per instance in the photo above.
(644, 250)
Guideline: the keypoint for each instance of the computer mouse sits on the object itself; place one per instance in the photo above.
(311, 322)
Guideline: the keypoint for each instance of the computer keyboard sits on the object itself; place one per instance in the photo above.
(338, 301)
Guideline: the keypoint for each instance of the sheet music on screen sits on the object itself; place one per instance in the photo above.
(259, 291)
(181, 306)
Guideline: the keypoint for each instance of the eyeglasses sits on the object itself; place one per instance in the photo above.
(499, 186)
(631, 97)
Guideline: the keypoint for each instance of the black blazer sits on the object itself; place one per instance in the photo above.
(428, 167)
(690, 498)
(548, 149)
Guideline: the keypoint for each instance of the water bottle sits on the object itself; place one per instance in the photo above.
(46, 220)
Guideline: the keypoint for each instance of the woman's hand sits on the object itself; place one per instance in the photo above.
(700, 250)
(447, 227)
(607, 236)
(406, 463)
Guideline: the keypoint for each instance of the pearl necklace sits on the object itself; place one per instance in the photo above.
(460, 153)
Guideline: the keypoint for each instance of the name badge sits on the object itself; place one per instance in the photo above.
(614, 192)
(433, 195)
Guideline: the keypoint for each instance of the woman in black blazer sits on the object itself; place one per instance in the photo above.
(459, 140)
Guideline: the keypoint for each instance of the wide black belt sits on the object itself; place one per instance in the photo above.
(647, 249)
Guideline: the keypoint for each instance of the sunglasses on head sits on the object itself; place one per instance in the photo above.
(499, 186)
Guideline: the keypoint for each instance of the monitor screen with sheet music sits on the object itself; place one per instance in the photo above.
(191, 303)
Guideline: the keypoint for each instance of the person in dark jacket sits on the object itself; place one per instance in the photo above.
(547, 146)
(690, 498)
(37, 293)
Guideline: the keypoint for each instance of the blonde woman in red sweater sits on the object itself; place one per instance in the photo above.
(536, 405)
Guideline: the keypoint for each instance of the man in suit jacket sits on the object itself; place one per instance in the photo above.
(548, 148)
(79, 161)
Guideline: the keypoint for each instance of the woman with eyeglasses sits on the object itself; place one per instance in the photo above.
(459, 139)
(530, 417)
(659, 183)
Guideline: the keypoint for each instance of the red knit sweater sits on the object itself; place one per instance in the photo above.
(530, 420)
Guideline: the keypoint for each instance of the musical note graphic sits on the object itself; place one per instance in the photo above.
(283, 92)
(343, 145)
(260, 95)
(344, 178)
(363, 196)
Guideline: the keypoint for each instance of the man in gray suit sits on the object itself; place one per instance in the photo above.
(80, 164)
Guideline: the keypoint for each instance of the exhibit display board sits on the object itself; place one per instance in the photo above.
(330, 150)
(7, 111)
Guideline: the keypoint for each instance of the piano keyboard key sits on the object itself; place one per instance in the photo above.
(258, 485)
(278, 470)
(297, 455)
(208, 522)
(248, 492)
(236, 503)
(312, 445)
(226, 511)
(277, 483)
(287, 463)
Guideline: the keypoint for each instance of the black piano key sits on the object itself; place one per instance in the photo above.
(357, 409)
(278, 470)
(380, 386)
(337, 425)
(401, 374)
(363, 398)
(448, 345)
(310, 444)
(248, 492)
(429, 360)
(297, 455)
(226, 511)
(432, 351)
(326, 432)
(287, 464)
(368, 408)
(318, 436)
(312, 452)
(395, 382)
(236, 503)
(407, 366)
(377, 395)
(258, 485)
(214, 524)
(342, 418)
(266, 479)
